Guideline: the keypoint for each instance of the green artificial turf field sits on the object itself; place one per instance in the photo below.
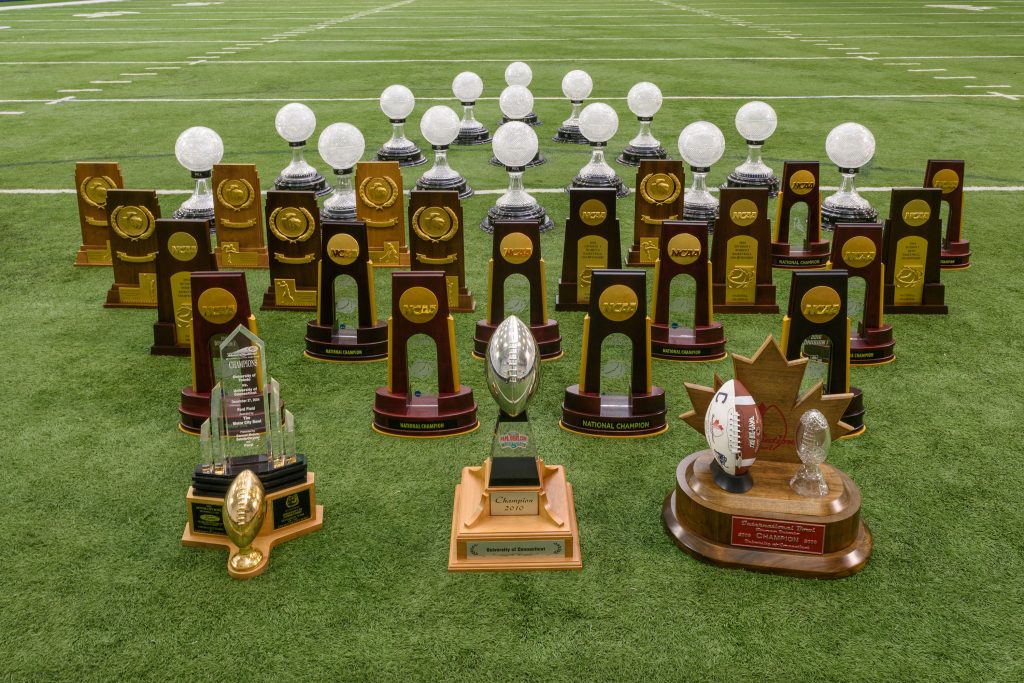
(94, 584)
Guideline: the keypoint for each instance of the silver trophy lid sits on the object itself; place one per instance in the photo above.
(513, 365)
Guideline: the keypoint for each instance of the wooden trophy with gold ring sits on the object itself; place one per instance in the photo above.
(92, 180)
(436, 239)
(659, 198)
(293, 239)
(379, 205)
(133, 246)
(238, 217)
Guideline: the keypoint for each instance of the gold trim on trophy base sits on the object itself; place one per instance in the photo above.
(553, 530)
(343, 362)
(854, 433)
(424, 436)
(267, 539)
(613, 436)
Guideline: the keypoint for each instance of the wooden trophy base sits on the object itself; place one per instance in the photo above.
(549, 340)
(288, 297)
(614, 415)
(93, 255)
(566, 298)
(142, 295)
(484, 542)
(193, 410)
(872, 346)
(165, 341)
(933, 300)
(764, 300)
(369, 344)
(705, 343)
(424, 416)
(809, 256)
(466, 304)
(230, 255)
(770, 528)
(291, 512)
(955, 256)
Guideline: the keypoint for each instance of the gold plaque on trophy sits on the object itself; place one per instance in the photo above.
(238, 216)
(379, 204)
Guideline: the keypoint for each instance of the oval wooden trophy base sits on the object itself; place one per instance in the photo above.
(770, 528)
(369, 344)
(872, 347)
(688, 345)
(614, 416)
(812, 256)
(424, 416)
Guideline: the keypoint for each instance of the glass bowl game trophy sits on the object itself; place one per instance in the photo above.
(701, 144)
(598, 124)
(515, 144)
(516, 102)
(849, 146)
(198, 149)
(468, 87)
(576, 86)
(440, 126)
(520, 73)
(295, 123)
(513, 513)
(397, 102)
(644, 101)
(341, 145)
(755, 121)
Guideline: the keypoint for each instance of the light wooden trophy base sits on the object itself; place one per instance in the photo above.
(770, 528)
(479, 539)
(200, 507)
(93, 255)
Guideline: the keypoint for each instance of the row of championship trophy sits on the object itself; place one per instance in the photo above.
(253, 489)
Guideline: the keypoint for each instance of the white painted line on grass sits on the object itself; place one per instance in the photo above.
(95, 90)
(987, 86)
(901, 63)
(11, 113)
(141, 74)
(63, 99)
(107, 82)
(955, 78)
(57, 4)
(1000, 94)
(921, 71)
(163, 68)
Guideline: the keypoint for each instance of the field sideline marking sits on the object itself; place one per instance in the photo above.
(58, 4)
(11, 113)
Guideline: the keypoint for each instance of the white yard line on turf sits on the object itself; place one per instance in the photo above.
(107, 82)
(57, 4)
(63, 99)
(82, 90)
(954, 78)
(11, 113)
(923, 70)
(987, 86)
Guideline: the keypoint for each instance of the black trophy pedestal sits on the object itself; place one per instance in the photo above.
(530, 119)
(632, 156)
(195, 215)
(854, 415)
(737, 179)
(570, 135)
(516, 213)
(701, 212)
(733, 483)
(314, 182)
(457, 184)
(478, 135)
(405, 156)
(272, 479)
(537, 160)
(831, 215)
(590, 181)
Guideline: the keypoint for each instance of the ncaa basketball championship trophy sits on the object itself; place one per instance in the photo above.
(514, 512)
(419, 305)
(755, 121)
(644, 100)
(436, 242)
(515, 255)
(238, 217)
(788, 513)
(849, 146)
(598, 123)
(515, 144)
(701, 144)
(295, 124)
(184, 248)
(293, 239)
(576, 86)
(520, 74)
(440, 126)
(468, 87)
(740, 267)
(198, 149)
(913, 247)
(220, 303)
(92, 180)
(948, 176)
(797, 244)
(252, 490)
(341, 145)
(857, 247)
(515, 102)
(379, 205)
(133, 247)
(397, 102)
(684, 253)
(659, 198)
(346, 328)
(816, 323)
(591, 243)
(618, 304)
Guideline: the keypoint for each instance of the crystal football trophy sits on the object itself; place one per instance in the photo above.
(849, 146)
(644, 101)
(515, 144)
(513, 512)
(248, 430)
(440, 126)
(755, 121)
(701, 144)
(576, 86)
(341, 145)
(397, 103)
(812, 442)
(520, 73)
(516, 103)
(468, 87)
(295, 123)
(198, 149)
(598, 123)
